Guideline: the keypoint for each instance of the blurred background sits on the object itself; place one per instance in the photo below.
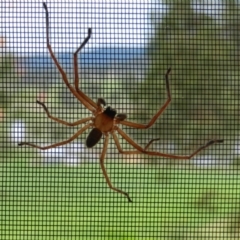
(61, 192)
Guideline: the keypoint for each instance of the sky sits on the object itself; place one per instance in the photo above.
(114, 22)
(118, 23)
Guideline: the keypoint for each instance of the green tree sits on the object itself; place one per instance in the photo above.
(203, 82)
(6, 71)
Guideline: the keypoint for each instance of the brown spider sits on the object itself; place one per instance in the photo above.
(105, 120)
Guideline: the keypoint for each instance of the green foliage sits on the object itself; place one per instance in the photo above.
(7, 93)
(204, 82)
(6, 72)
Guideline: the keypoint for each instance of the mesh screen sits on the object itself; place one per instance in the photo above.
(177, 161)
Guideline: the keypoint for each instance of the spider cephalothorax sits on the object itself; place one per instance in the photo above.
(105, 121)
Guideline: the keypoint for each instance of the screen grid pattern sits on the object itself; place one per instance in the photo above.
(139, 55)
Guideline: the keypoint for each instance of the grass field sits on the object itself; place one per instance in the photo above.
(56, 202)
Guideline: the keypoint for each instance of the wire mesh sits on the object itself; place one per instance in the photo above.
(61, 192)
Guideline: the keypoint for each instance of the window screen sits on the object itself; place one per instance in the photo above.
(154, 87)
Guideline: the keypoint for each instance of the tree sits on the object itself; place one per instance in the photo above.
(205, 101)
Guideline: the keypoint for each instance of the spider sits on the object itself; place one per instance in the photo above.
(105, 120)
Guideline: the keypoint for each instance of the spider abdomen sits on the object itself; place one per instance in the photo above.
(93, 137)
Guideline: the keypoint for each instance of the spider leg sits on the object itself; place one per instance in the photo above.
(62, 121)
(63, 74)
(153, 153)
(105, 172)
(150, 143)
(209, 143)
(79, 132)
(75, 59)
(156, 116)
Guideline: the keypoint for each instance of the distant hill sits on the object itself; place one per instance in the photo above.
(98, 63)
(96, 58)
